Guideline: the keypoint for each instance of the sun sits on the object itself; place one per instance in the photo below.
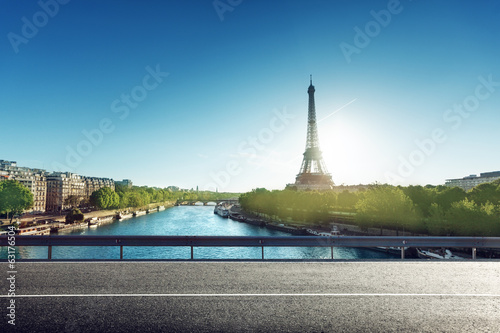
(346, 151)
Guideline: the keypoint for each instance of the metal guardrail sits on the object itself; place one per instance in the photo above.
(255, 241)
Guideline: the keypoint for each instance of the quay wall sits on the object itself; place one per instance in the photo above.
(344, 228)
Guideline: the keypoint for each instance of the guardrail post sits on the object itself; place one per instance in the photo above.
(332, 252)
(474, 250)
(121, 251)
(402, 252)
(192, 252)
(50, 252)
(262, 252)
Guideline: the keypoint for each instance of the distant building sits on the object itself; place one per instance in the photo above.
(61, 185)
(472, 181)
(50, 190)
(173, 188)
(93, 184)
(125, 182)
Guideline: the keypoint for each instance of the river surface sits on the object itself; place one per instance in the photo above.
(186, 221)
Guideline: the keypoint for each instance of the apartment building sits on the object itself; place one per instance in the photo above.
(94, 183)
(62, 185)
(125, 182)
(51, 190)
(469, 182)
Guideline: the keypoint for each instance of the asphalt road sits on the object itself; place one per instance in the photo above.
(253, 297)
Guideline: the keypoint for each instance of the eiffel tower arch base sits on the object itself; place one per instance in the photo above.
(313, 182)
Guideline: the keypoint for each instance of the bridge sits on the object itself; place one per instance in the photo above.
(251, 296)
(124, 296)
(181, 202)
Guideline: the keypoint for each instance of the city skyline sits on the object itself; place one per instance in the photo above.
(215, 94)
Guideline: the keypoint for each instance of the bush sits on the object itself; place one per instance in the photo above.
(75, 215)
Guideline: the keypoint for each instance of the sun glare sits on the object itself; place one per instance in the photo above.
(347, 151)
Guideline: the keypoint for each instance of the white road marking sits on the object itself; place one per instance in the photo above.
(259, 295)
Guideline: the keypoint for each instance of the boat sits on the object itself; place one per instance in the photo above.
(222, 210)
(237, 217)
(34, 230)
(437, 254)
(139, 213)
(332, 233)
(92, 222)
(123, 216)
(389, 249)
(106, 219)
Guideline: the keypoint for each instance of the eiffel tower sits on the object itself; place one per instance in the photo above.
(313, 174)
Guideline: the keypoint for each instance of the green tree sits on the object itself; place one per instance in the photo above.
(436, 223)
(75, 215)
(387, 207)
(446, 196)
(135, 199)
(470, 219)
(347, 200)
(105, 198)
(14, 198)
(483, 193)
(422, 197)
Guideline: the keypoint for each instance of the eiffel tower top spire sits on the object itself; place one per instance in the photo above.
(313, 173)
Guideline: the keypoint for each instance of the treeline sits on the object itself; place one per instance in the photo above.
(308, 207)
(433, 210)
(141, 196)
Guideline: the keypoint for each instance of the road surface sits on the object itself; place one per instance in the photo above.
(253, 297)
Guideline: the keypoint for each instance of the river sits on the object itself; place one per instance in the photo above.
(186, 220)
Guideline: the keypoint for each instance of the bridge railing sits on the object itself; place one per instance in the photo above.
(255, 241)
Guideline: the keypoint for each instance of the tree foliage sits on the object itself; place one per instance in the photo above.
(308, 207)
(73, 200)
(74, 215)
(140, 196)
(434, 210)
(14, 198)
(389, 207)
(105, 198)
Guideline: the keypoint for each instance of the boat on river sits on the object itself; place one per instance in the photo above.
(34, 230)
(437, 254)
(333, 232)
(390, 249)
(222, 210)
(123, 216)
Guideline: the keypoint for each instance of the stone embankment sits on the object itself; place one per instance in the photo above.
(237, 214)
(100, 214)
(344, 227)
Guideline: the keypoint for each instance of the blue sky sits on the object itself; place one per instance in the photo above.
(214, 93)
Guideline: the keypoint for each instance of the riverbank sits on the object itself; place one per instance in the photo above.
(99, 214)
(344, 229)
(237, 214)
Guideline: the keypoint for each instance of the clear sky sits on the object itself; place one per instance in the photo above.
(214, 93)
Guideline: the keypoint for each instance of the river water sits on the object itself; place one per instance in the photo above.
(186, 220)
